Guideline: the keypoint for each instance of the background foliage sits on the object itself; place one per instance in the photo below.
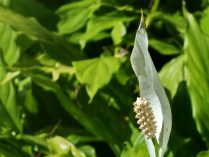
(67, 85)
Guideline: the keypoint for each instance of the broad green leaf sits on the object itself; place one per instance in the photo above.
(88, 150)
(174, 23)
(179, 108)
(54, 45)
(92, 123)
(176, 143)
(10, 76)
(60, 146)
(9, 107)
(119, 30)
(5, 2)
(197, 53)
(26, 7)
(173, 73)
(163, 47)
(204, 21)
(137, 147)
(75, 15)
(10, 149)
(6, 120)
(152, 90)
(10, 49)
(96, 73)
(101, 23)
(203, 154)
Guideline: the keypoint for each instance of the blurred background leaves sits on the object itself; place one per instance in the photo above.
(67, 87)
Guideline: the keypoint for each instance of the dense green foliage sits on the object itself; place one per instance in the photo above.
(66, 82)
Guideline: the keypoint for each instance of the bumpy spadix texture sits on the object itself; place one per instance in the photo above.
(145, 117)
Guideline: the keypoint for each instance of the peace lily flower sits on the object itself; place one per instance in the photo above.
(152, 109)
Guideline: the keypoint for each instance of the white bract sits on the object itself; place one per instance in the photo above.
(152, 90)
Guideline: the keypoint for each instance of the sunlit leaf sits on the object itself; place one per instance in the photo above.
(203, 154)
(119, 30)
(173, 73)
(60, 146)
(96, 73)
(163, 47)
(10, 49)
(9, 108)
(204, 21)
(137, 148)
(197, 52)
(75, 15)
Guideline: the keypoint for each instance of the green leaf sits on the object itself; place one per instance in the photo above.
(138, 148)
(10, 148)
(60, 146)
(197, 52)
(26, 7)
(9, 108)
(203, 154)
(54, 45)
(174, 23)
(101, 23)
(88, 150)
(10, 49)
(33, 139)
(152, 90)
(173, 73)
(163, 47)
(204, 21)
(75, 15)
(92, 122)
(119, 30)
(96, 73)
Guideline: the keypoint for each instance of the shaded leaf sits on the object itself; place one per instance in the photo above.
(92, 123)
(54, 45)
(26, 7)
(99, 24)
(88, 150)
(10, 148)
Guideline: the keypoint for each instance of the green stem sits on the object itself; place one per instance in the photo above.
(153, 9)
(157, 147)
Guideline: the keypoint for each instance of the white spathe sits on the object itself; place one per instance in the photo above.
(152, 90)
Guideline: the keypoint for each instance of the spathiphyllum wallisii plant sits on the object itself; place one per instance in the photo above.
(152, 108)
